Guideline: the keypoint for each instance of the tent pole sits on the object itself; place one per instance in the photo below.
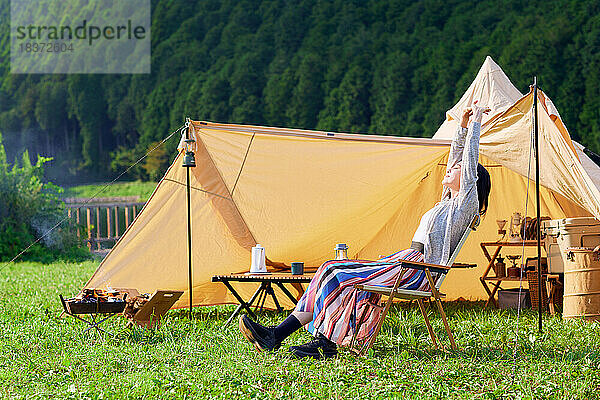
(537, 194)
(189, 228)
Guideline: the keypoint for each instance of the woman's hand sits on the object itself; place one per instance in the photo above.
(475, 111)
(478, 111)
(464, 122)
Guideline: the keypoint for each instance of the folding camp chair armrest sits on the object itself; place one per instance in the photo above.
(399, 293)
(423, 266)
(457, 265)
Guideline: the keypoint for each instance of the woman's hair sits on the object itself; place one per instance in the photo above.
(484, 185)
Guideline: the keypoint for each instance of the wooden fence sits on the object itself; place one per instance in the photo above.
(105, 219)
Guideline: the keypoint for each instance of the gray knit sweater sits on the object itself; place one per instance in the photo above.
(453, 215)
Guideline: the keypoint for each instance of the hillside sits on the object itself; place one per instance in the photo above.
(389, 67)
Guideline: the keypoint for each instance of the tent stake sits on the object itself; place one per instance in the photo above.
(537, 194)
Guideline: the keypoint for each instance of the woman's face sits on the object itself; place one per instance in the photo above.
(452, 178)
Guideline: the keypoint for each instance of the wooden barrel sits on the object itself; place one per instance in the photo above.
(582, 284)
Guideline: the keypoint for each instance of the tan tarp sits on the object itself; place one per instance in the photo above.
(592, 169)
(298, 193)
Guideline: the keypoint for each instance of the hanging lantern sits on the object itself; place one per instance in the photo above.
(188, 159)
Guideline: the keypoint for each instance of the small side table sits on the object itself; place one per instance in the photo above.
(266, 281)
(552, 281)
(496, 282)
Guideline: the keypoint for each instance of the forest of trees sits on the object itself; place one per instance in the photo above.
(388, 67)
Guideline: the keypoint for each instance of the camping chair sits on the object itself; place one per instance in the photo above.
(408, 294)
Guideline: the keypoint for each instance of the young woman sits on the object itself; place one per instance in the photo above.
(330, 305)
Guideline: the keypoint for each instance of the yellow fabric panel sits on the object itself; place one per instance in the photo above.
(419, 194)
(232, 150)
(550, 109)
(302, 196)
(210, 179)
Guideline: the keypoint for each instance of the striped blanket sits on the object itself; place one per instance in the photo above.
(336, 305)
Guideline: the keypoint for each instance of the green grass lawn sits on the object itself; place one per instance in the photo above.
(43, 356)
(137, 188)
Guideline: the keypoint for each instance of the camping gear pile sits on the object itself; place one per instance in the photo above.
(297, 191)
(93, 300)
(134, 304)
(145, 309)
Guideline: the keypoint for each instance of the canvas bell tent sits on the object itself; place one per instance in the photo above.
(299, 192)
(493, 88)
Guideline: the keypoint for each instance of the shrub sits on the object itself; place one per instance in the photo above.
(29, 208)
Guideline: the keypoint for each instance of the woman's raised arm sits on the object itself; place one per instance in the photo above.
(458, 145)
(470, 156)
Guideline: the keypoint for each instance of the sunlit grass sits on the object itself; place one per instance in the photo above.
(118, 189)
(42, 355)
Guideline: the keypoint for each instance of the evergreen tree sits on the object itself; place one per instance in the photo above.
(277, 92)
(307, 96)
(87, 105)
(347, 107)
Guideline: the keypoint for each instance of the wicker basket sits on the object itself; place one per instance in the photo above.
(532, 279)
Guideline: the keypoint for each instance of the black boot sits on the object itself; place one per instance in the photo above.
(319, 347)
(262, 337)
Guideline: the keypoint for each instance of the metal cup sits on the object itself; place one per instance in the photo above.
(297, 268)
